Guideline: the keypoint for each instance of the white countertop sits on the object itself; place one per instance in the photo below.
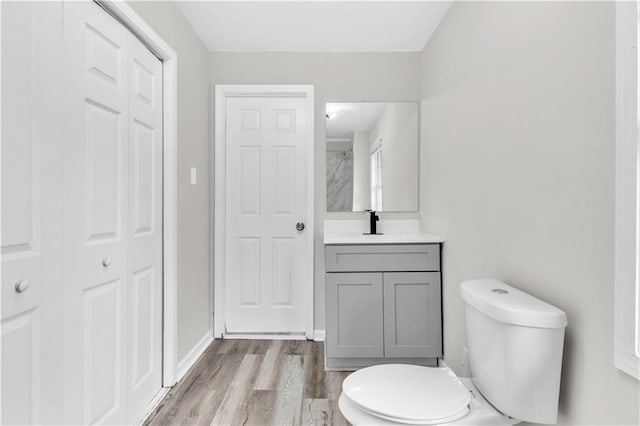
(394, 231)
(359, 238)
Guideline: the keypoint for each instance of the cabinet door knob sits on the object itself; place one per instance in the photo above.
(300, 226)
(21, 286)
(106, 261)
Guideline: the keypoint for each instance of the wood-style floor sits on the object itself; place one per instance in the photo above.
(255, 382)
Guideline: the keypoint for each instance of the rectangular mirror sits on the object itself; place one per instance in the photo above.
(372, 156)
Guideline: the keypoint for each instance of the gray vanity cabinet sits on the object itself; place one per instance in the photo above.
(383, 305)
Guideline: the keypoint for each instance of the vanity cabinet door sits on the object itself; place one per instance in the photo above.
(354, 315)
(412, 313)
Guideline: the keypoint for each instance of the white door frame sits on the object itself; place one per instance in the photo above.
(123, 12)
(218, 181)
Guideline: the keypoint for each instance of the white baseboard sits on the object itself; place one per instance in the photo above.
(149, 409)
(318, 336)
(192, 356)
(268, 336)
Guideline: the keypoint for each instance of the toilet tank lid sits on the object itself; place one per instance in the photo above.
(507, 304)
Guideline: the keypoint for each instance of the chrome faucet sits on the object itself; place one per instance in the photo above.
(373, 218)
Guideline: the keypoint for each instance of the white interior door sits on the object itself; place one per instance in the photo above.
(113, 243)
(266, 197)
(31, 215)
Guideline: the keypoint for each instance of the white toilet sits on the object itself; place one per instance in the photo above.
(515, 346)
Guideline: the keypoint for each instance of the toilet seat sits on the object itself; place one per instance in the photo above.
(481, 413)
(408, 394)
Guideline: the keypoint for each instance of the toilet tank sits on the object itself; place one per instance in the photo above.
(515, 346)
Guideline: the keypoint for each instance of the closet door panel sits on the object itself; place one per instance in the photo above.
(31, 324)
(96, 178)
(143, 298)
(143, 163)
(103, 173)
(22, 374)
(102, 352)
(22, 255)
(145, 230)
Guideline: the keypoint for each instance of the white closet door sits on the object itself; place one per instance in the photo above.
(31, 326)
(145, 227)
(113, 200)
(96, 219)
(81, 217)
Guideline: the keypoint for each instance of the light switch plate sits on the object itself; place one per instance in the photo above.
(194, 176)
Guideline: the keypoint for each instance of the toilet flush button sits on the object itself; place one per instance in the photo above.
(499, 291)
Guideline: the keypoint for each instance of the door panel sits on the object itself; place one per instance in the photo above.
(145, 81)
(144, 270)
(354, 315)
(412, 313)
(21, 238)
(21, 368)
(142, 327)
(31, 324)
(284, 181)
(250, 180)
(102, 352)
(265, 197)
(96, 165)
(250, 277)
(103, 56)
(19, 203)
(103, 172)
(282, 252)
(142, 160)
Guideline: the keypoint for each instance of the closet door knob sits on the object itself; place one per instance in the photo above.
(300, 226)
(21, 286)
(106, 261)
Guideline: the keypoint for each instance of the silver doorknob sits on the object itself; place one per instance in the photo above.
(21, 286)
(300, 226)
(106, 261)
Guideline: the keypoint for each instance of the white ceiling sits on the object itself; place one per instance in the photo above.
(345, 118)
(314, 26)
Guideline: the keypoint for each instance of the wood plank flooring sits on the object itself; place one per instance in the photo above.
(255, 382)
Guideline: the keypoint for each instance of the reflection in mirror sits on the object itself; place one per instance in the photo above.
(372, 156)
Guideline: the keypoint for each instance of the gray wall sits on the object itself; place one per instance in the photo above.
(337, 77)
(194, 300)
(517, 156)
(398, 128)
(361, 171)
